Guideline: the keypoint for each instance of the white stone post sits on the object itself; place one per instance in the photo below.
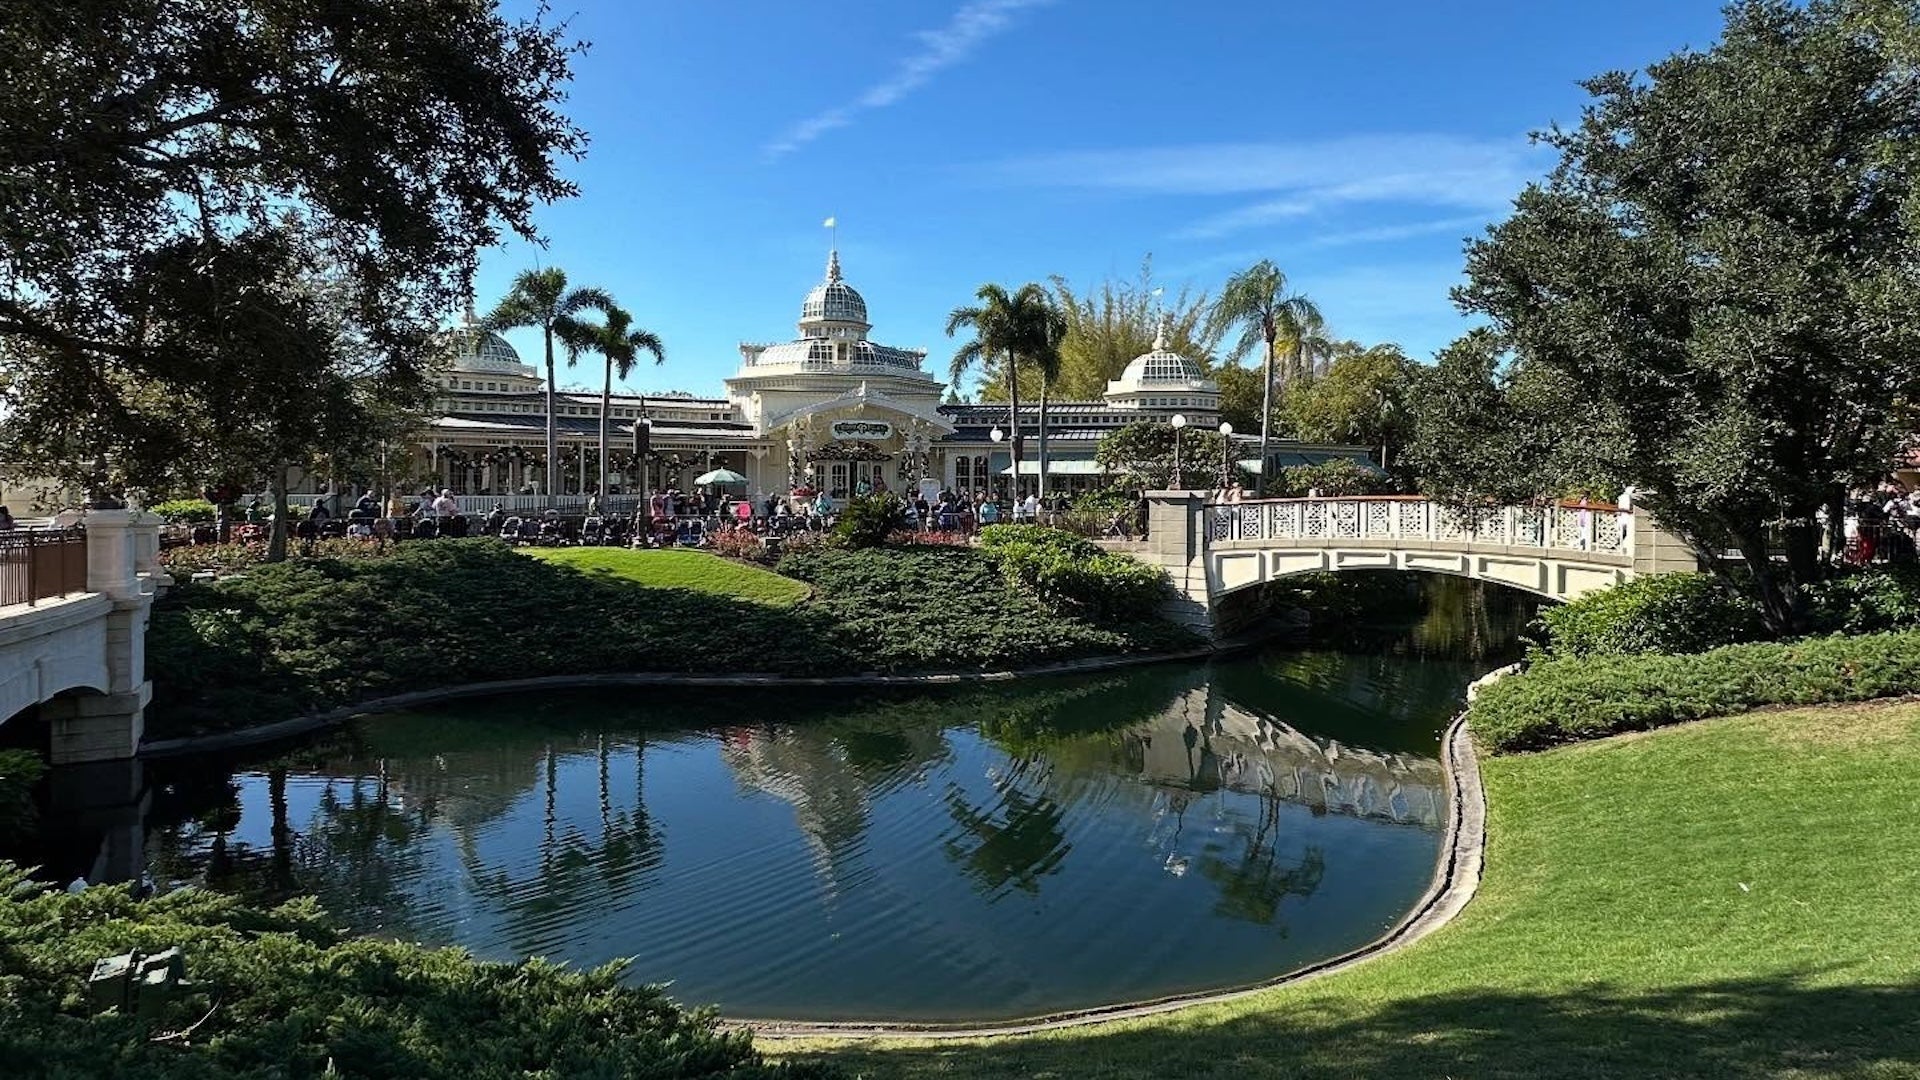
(122, 565)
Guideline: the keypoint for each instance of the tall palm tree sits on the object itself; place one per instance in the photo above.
(1003, 326)
(540, 298)
(1307, 345)
(621, 343)
(1043, 329)
(1255, 300)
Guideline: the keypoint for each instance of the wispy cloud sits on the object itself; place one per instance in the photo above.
(1387, 234)
(1297, 179)
(970, 27)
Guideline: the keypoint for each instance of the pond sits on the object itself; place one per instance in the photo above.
(978, 853)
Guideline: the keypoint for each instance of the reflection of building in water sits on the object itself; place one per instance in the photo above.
(1203, 742)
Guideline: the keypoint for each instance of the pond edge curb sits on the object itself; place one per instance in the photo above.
(302, 725)
(1456, 878)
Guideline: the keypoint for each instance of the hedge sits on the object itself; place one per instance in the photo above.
(282, 993)
(1566, 700)
(1069, 573)
(1666, 613)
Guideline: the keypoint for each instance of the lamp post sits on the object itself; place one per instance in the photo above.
(1179, 428)
(1226, 454)
(997, 436)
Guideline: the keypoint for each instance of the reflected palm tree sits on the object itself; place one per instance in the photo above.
(1253, 886)
(1026, 844)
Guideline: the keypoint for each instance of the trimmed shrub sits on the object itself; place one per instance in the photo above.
(185, 511)
(1567, 700)
(738, 544)
(1070, 573)
(282, 993)
(1867, 601)
(868, 519)
(1667, 613)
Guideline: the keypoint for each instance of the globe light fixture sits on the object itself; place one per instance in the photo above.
(996, 435)
(1226, 453)
(1179, 423)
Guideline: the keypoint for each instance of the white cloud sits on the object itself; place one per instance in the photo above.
(1386, 234)
(1297, 179)
(970, 27)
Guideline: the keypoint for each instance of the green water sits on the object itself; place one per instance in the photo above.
(987, 852)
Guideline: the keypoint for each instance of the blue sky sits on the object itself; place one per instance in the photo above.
(960, 141)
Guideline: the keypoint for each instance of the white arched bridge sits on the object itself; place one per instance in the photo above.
(1555, 550)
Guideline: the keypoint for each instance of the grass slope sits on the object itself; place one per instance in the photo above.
(671, 569)
(1733, 898)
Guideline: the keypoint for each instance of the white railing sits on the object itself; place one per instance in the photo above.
(1605, 530)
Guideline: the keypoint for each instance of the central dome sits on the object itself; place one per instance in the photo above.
(1162, 365)
(833, 300)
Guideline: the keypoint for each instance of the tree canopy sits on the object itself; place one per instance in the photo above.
(1720, 282)
(154, 148)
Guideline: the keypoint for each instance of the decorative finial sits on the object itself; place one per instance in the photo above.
(833, 265)
(1160, 335)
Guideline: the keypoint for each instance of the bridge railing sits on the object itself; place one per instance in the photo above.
(1564, 526)
(41, 564)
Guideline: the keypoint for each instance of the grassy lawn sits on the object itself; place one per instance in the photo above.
(1732, 898)
(671, 569)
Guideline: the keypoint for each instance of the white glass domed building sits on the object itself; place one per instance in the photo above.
(830, 409)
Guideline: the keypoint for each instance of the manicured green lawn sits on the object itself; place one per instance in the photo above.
(1731, 898)
(670, 569)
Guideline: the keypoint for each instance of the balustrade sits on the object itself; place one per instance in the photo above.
(1601, 529)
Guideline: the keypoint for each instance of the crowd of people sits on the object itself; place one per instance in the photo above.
(1880, 525)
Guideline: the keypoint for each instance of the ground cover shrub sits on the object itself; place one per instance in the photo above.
(185, 511)
(283, 994)
(1070, 573)
(739, 544)
(310, 634)
(1574, 698)
(1666, 613)
(867, 520)
(20, 770)
(188, 559)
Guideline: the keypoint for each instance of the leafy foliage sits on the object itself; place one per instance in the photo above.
(20, 770)
(1719, 286)
(1667, 613)
(1585, 698)
(1333, 478)
(867, 520)
(283, 994)
(1068, 573)
(1110, 324)
(1363, 397)
(1868, 600)
(215, 239)
(1141, 456)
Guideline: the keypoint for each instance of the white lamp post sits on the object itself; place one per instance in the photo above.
(1179, 428)
(1226, 454)
(997, 436)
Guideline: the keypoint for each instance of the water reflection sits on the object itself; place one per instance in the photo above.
(984, 852)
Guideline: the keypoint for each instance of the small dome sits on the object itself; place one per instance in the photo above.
(1162, 365)
(833, 300)
(483, 350)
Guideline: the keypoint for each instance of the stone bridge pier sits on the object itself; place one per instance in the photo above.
(1558, 551)
(82, 658)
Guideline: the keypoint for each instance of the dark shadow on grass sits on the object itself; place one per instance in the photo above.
(1747, 1028)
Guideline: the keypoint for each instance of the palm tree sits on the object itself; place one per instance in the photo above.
(1255, 300)
(1044, 328)
(621, 343)
(1307, 344)
(541, 298)
(1002, 325)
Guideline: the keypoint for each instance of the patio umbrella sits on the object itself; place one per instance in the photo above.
(719, 476)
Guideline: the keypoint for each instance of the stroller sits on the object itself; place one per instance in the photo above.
(426, 529)
(616, 532)
(594, 531)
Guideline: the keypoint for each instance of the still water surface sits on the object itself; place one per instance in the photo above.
(980, 853)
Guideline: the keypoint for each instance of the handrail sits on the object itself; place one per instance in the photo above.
(1601, 529)
(42, 564)
(1570, 504)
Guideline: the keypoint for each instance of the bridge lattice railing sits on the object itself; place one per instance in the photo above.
(1563, 526)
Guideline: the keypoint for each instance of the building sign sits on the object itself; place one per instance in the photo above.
(861, 429)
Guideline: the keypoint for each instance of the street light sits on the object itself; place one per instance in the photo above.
(1226, 454)
(1179, 427)
(997, 435)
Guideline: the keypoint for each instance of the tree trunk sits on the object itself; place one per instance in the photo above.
(277, 532)
(1836, 524)
(606, 407)
(1266, 421)
(1776, 597)
(553, 431)
(1013, 420)
(1042, 443)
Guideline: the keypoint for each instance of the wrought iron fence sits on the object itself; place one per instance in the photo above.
(41, 564)
(1602, 529)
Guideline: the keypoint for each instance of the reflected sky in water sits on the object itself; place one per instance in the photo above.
(983, 852)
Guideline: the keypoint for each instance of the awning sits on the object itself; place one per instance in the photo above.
(1069, 467)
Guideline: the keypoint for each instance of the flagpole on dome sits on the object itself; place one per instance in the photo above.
(832, 225)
